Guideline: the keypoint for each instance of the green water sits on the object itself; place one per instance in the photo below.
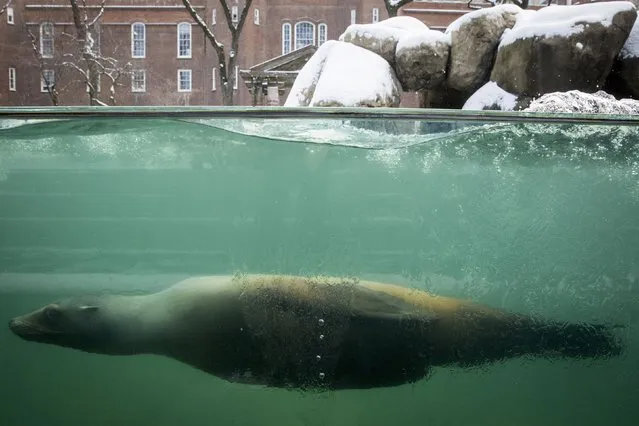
(534, 218)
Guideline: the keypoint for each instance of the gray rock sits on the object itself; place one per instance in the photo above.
(624, 78)
(561, 48)
(474, 40)
(421, 59)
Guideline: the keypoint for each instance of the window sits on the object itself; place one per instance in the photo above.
(10, 17)
(214, 80)
(256, 16)
(235, 16)
(95, 39)
(375, 14)
(88, 87)
(47, 80)
(286, 38)
(353, 16)
(138, 40)
(184, 40)
(46, 40)
(237, 77)
(214, 17)
(12, 79)
(304, 34)
(138, 81)
(322, 29)
(184, 80)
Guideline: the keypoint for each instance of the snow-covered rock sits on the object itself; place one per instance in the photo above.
(304, 86)
(345, 75)
(580, 102)
(475, 37)
(421, 59)
(559, 48)
(491, 97)
(624, 78)
(382, 37)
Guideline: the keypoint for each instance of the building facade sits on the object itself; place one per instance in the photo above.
(151, 52)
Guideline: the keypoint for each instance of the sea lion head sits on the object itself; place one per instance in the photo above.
(77, 323)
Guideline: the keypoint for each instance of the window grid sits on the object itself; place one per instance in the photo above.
(304, 34)
(322, 30)
(235, 16)
(237, 77)
(353, 16)
(138, 81)
(214, 80)
(138, 40)
(47, 80)
(184, 80)
(46, 40)
(10, 16)
(12, 79)
(256, 16)
(375, 14)
(184, 40)
(286, 38)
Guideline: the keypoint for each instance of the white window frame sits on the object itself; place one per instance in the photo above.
(375, 14)
(190, 73)
(133, 32)
(287, 47)
(43, 88)
(214, 80)
(237, 77)
(11, 20)
(190, 34)
(214, 17)
(319, 34)
(353, 16)
(87, 83)
(256, 16)
(48, 55)
(12, 79)
(235, 14)
(134, 88)
(297, 24)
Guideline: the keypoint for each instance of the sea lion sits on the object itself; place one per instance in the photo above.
(307, 332)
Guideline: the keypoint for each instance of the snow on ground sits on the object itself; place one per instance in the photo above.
(491, 94)
(352, 74)
(585, 103)
(631, 47)
(562, 20)
(429, 37)
(495, 12)
(308, 76)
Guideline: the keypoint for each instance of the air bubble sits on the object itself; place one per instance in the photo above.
(321, 321)
(318, 357)
(322, 375)
(321, 337)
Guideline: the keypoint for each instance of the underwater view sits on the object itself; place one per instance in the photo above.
(535, 217)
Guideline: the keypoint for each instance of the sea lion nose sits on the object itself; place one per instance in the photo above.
(12, 323)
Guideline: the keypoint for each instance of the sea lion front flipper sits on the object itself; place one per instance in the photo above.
(369, 303)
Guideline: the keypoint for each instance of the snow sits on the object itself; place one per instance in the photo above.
(495, 12)
(308, 76)
(631, 47)
(579, 46)
(407, 23)
(563, 21)
(352, 74)
(429, 37)
(376, 31)
(576, 101)
(491, 94)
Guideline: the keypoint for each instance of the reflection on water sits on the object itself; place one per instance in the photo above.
(537, 219)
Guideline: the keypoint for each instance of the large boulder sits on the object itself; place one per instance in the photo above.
(474, 40)
(344, 75)
(382, 37)
(421, 59)
(491, 97)
(624, 78)
(560, 48)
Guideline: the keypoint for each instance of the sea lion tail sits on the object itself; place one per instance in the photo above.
(583, 340)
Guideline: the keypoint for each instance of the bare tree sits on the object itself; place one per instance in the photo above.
(226, 72)
(4, 8)
(392, 6)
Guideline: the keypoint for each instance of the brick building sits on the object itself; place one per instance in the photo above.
(163, 56)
